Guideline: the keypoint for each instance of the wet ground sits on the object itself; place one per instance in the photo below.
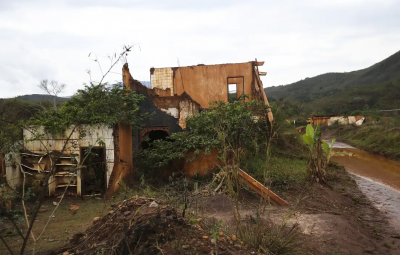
(377, 177)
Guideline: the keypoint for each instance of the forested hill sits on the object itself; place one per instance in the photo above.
(34, 98)
(376, 87)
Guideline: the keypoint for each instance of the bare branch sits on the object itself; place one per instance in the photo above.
(8, 247)
(53, 89)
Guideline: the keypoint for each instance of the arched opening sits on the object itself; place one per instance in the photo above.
(152, 136)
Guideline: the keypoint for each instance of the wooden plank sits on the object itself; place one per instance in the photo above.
(259, 63)
(260, 86)
(65, 185)
(254, 188)
(260, 189)
(262, 73)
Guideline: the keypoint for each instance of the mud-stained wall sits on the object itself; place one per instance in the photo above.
(123, 166)
(203, 164)
(187, 107)
(205, 83)
(323, 121)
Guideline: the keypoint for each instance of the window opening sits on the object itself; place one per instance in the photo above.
(232, 93)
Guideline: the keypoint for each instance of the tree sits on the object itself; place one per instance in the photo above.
(228, 127)
(53, 88)
(234, 129)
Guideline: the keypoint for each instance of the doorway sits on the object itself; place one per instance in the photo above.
(93, 172)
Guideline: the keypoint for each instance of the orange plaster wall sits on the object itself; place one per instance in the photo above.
(202, 165)
(209, 82)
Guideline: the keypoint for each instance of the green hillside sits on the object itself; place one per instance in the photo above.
(34, 98)
(376, 87)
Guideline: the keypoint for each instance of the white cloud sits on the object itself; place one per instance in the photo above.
(296, 39)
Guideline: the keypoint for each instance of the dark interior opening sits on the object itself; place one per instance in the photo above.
(152, 136)
(93, 172)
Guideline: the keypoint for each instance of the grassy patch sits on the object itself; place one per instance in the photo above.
(281, 171)
(62, 226)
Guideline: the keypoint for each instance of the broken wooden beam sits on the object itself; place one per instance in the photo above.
(263, 191)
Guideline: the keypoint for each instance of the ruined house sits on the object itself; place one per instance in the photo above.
(334, 119)
(175, 94)
(179, 92)
(207, 83)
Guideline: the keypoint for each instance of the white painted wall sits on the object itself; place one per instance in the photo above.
(83, 137)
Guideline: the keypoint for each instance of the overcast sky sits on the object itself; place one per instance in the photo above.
(51, 39)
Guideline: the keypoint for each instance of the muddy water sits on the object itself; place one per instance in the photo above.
(377, 177)
(374, 167)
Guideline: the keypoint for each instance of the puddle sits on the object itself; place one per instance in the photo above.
(377, 177)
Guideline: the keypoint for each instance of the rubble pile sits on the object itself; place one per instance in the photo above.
(141, 225)
(133, 226)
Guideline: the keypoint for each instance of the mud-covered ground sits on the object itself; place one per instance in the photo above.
(377, 177)
(335, 219)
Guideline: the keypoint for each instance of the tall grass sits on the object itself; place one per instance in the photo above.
(282, 171)
(270, 238)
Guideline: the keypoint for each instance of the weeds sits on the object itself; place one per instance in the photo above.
(270, 238)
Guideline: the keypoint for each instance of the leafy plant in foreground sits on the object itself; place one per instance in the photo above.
(319, 152)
